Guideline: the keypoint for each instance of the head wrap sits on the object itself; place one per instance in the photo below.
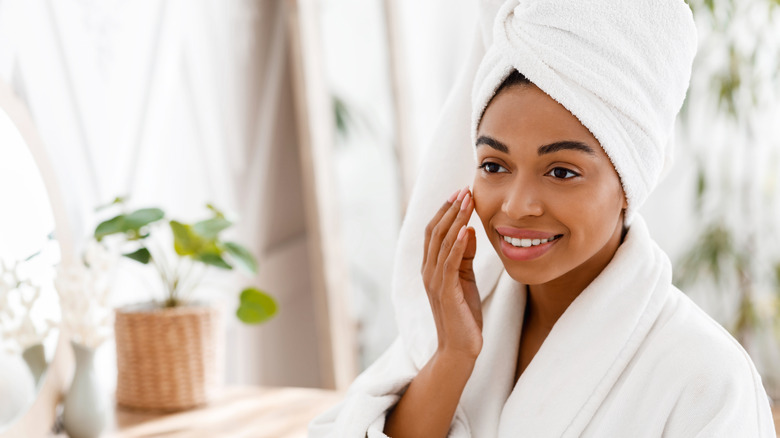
(621, 67)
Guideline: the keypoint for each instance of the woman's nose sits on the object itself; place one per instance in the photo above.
(523, 199)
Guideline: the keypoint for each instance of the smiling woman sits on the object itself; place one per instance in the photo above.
(571, 327)
(544, 176)
(554, 213)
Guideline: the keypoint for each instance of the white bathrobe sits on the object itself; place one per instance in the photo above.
(631, 357)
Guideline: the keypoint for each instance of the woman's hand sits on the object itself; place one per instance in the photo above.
(449, 278)
(428, 405)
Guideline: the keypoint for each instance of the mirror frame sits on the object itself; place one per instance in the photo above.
(41, 414)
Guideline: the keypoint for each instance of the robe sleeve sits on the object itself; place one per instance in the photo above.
(727, 400)
(362, 412)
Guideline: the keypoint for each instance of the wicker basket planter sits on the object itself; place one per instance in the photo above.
(166, 357)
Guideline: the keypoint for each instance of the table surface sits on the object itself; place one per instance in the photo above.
(251, 412)
(247, 412)
(236, 412)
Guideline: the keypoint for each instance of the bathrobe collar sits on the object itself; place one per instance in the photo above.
(582, 357)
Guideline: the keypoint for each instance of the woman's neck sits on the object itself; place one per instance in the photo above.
(546, 302)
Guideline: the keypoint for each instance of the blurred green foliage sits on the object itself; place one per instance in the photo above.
(721, 254)
(199, 242)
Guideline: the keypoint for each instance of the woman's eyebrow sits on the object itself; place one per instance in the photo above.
(566, 145)
(546, 149)
(493, 143)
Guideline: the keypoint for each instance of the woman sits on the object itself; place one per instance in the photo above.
(580, 331)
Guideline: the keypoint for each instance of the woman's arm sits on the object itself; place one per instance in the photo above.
(428, 405)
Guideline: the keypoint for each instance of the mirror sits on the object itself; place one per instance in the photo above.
(32, 232)
(29, 310)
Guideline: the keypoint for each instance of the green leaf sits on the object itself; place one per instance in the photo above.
(117, 200)
(111, 226)
(185, 241)
(213, 259)
(701, 187)
(210, 228)
(255, 306)
(777, 276)
(341, 115)
(710, 4)
(130, 223)
(141, 218)
(217, 212)
(142, 255)
(242, 256)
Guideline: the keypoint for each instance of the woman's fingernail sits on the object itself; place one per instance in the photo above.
(462, 232)
(453, 196)
(462, 193)
(465, 203)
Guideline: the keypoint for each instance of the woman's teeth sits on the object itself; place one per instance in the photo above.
(526, 243)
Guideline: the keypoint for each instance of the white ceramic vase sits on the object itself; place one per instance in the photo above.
(35, 356)
(87, 408)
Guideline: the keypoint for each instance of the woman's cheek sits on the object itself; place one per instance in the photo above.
(477, 195)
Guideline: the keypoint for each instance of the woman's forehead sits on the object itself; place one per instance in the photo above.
(526, 113)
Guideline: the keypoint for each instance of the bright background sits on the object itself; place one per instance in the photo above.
(182, 102)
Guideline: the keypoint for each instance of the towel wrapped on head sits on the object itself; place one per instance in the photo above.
(621, 67)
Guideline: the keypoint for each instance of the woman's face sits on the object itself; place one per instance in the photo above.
(546, 192)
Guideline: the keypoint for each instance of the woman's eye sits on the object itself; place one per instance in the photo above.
(492, 167)
(562, 173)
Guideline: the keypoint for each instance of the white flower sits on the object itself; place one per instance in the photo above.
(99, 258)
(83, 288)
(18, 295)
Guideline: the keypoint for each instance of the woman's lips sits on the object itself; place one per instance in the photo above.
(528, 252)
(522, 233)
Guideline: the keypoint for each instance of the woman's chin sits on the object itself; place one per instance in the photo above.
(529, 277)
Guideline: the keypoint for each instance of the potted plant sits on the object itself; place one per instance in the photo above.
(167, 349)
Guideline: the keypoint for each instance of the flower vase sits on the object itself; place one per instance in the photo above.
(35, 356)
(87, 408)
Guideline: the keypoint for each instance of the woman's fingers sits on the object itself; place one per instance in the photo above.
(461, 218)
(439, 229)
(466, 264)
(436, 218)
(460, 300)
(453, 296)
(451, 264)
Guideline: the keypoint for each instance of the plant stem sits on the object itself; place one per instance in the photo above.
(196, 278)
(167, 275)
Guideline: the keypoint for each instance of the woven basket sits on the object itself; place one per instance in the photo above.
(166, 358)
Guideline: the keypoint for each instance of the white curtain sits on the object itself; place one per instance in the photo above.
(177, 103)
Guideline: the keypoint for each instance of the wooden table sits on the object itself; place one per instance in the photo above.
(236, 412)
(246, 412)
(249, 412)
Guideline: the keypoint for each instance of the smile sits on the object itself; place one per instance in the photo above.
(532, 244)
(527, 243)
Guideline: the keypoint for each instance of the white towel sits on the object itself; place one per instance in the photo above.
(621, 67)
